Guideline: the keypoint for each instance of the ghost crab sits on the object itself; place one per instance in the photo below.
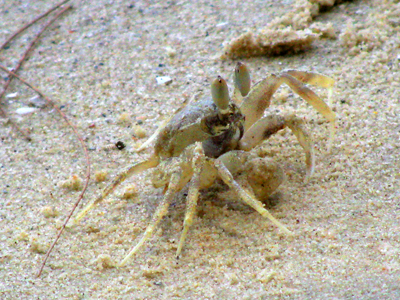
(211, 138)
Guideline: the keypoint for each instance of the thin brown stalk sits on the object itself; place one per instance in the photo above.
(75, 130)
(31, 23)
(20, 62)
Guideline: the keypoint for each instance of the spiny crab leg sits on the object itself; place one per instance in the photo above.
(259, 98)
(192, 197)
(297, 126)
(227, 177)
(314, 79)
(269, 125)
(313, 100)
(160, 212)
(131, 170)
(153, 137)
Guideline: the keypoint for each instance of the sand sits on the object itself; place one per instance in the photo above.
(99, 63)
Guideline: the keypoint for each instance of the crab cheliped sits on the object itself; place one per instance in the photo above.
(211, 138)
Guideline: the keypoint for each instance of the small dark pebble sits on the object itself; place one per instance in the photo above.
(120, 145)
(159, 283)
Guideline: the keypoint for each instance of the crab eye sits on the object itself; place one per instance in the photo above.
(220, 93)
(242, 79)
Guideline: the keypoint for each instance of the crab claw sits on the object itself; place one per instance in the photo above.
(242, 79)
(220, 93)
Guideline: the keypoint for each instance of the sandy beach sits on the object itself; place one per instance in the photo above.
(103, 64)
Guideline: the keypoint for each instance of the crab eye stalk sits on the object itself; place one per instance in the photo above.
(242, 79)
(220, 93)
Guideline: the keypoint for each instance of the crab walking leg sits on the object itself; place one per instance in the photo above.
(193, 195)
(269, 125)
(152, 138)
(312, 98)
(314, 79)
(297, 126)
(160, 212)
(227, 177)
(131, 170)
(260, 131)
(259, 98)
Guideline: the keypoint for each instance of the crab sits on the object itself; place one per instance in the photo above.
(211, 138)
